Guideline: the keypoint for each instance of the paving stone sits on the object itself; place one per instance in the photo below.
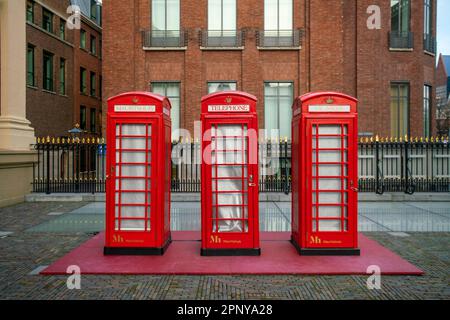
(22, 252)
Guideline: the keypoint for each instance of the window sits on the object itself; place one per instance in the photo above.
(221, 18)
(62, 29)
(100, 47)
(83, 118)
(428, 38)
(62, 76)
(166, 15)
(93, 84)
(399, 109)
(83, 39)
(94, 10)
(221, 86)
(93, 45)
(278, 98)
(278, 15)
(426, 110)
(30, 66)
(48, 71)
(30, 11)
(400, 16)
(47, 20)
(83, 81)
(93, 123)
(100, 89)
(172, 91)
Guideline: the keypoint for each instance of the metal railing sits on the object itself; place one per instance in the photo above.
(401, 40)
(279, 38)
(164, 39)
(222, 38)
(429, 43)
(385, 165)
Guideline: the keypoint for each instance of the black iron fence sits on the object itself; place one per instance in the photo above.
(385, 165)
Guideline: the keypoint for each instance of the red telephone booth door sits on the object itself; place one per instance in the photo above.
(232, 195)
(130, 183)
(332, 183)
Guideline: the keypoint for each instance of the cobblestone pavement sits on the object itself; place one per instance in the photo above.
(21, 252)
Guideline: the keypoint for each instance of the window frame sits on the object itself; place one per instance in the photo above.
(278, 16)
(83, 39)
(62, 29)
(292, 83)
(222, 17)
(47, 27)
(92, 120)
(30, 4)
(166, 83)
(83, 81)
(427, 110)
(48, 79)
(400, 17)
(208, 83)
(166, 15)
(62, 76)
(83, 122)
(93, 44)
(398, 84)
(31, 75)
(93, 84)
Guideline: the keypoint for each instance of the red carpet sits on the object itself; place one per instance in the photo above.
(278, 257)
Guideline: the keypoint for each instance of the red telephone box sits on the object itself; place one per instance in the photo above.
(325, 174)
(230, 223)
(138, 174)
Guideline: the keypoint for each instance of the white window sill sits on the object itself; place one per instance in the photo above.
(164, 48)
(401, 49)
(222, 48)
(429, 53)
(280, 48)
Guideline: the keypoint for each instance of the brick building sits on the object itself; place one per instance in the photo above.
(63, 67)
(276, 50)
(443, 94)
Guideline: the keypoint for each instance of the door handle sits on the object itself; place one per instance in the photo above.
(352, 187)
(250, 181)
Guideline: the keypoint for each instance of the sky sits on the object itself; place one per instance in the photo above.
(443, 26)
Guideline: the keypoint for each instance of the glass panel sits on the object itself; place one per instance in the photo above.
(229, 171)
(133, 171)
(132, 197)
(285, 15)
(330, 212)
(133, 157)
(328, 156)
(133, 184)
(173, 15)
(229, 15)
(158, 15)
(228, 185)
(328, 184)
(132, 225)
(214, 14)
(135, 129)
(332, 170)
(230, 198)
(329, 129)
(329, 225)
(271, 14)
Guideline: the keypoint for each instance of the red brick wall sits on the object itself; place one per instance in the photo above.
(49, 112)
(92, 63)
(338, 53)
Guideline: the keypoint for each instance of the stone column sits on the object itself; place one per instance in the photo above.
(16, 135)
(15, 130)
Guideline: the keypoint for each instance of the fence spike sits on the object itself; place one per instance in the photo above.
(48, 139)
(88, 140)
(377, 138)
(103, 140)
(426, 139)
(406, 138)
(367, 140)
(38, 140)
(432, 139)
